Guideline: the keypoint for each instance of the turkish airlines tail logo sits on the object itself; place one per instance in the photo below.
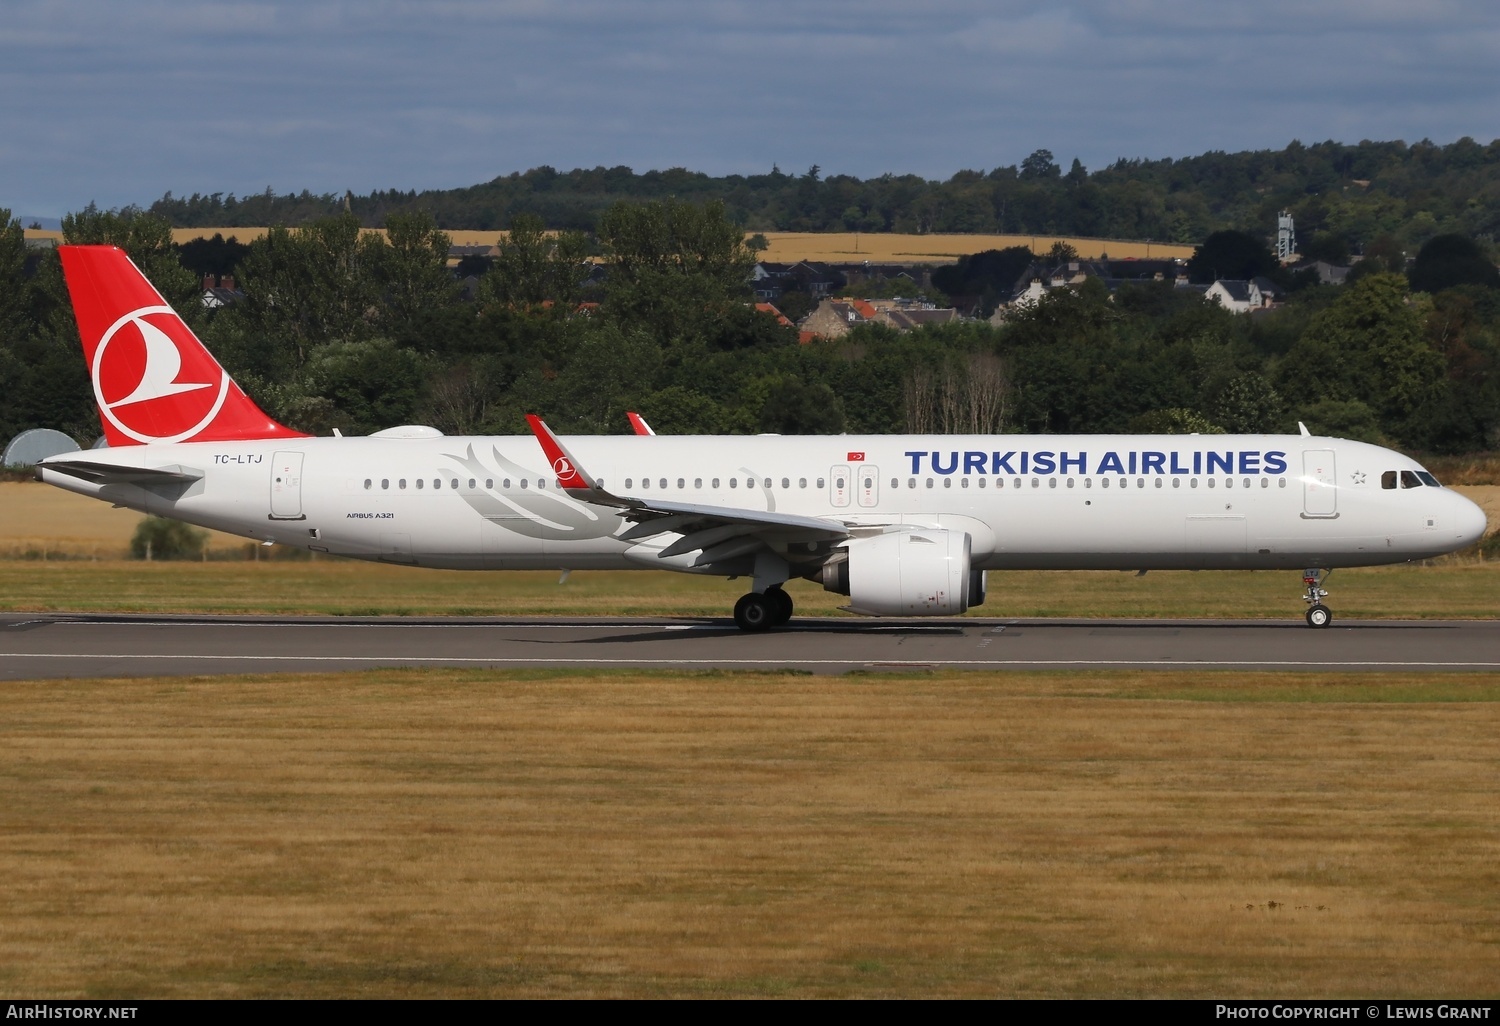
(153, 380)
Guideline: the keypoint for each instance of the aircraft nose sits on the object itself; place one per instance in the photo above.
(1470, 522)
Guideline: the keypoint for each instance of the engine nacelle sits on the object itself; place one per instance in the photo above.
(907, 573)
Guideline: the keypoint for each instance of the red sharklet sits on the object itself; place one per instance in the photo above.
(569, 477)
(153, 379)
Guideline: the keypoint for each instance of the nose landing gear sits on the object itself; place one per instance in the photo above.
(1318, 615)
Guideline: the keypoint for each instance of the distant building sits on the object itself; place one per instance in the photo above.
(834, 318)
(220, 292)
(1328, 274)
(1038, 279)
(1237, 296)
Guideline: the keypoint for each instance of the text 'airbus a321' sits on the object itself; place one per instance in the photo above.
(905, 525)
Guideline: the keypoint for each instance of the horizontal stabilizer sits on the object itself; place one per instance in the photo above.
(108, 473)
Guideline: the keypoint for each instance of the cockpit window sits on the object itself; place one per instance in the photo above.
(1388, 480)
(1410, 480)
(1428, 479)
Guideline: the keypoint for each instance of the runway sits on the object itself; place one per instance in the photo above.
(82, 645)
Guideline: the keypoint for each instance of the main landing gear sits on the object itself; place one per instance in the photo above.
(1318, 615)
(762, 610)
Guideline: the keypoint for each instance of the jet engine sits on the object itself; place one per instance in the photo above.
(907, 573)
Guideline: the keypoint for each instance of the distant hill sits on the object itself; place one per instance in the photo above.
(1344, 196)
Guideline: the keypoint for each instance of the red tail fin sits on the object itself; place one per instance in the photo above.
(153, 380)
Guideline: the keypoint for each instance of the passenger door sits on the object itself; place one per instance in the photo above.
(286, 486)
(1319, 484)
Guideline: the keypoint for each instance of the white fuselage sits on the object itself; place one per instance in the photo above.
(1039, 502)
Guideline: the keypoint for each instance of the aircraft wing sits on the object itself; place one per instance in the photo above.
(108, 473)
(722, 532)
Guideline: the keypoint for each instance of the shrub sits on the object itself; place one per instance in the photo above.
(156, 538)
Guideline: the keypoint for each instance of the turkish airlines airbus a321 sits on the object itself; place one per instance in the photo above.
(905, 525)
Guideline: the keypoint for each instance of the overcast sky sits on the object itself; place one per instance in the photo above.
(120, 102)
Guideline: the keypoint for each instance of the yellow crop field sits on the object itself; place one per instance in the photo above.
(831, 247)
(850, 247)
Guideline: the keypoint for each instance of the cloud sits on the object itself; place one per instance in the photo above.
(122, 102)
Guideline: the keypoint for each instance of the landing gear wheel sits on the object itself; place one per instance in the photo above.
(1318, 615)
(755, 612)
(781, 602)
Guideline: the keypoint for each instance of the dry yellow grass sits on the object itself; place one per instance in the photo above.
(477, 834)
(39, 518)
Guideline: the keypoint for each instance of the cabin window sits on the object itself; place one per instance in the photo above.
(1088, 482)
(786, 483)
(1070, 482)
(1410, 480)
(523, 483)
(420, 483)
(489, 483)
(385, 482)
(681, 483)
(541, 482)
(1210, 482)
(627, 483)
(1245, 482)
(698, 482)
(1104, 482)
(1265, 482)
(368, 482)
(1051, 482)
(895, 482)
(981, 482)
(716, 482)
(505, 484)
(820, 482)
(1176, 482)
(1036, 482)
(801, 482)
(1140, 482)
(767, 482)
(947, 482)
(401, 483)
(663, 482)
(1193, 483)
(911, 482)
(1158, 482)
(734, 482)
(1229, 482)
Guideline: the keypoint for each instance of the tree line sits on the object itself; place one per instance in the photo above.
(355, 331)
(1346, 199)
